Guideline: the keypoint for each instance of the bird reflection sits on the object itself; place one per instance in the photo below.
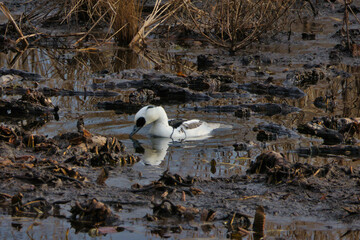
(155, 153)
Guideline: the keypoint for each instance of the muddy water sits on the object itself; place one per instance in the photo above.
(78, 70)
(54, 228)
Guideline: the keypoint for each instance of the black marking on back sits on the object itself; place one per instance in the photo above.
(175, 123)
(193, 125)
(150, 106)
(140, 122)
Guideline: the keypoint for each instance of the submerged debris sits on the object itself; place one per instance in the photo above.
(93, 211)
(238, 225)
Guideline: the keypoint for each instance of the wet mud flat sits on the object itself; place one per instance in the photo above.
(304, 97)
(65, 177)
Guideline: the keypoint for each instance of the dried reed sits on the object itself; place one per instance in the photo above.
(7, 13)
(235, 24)
(159, 15)
(120, 16)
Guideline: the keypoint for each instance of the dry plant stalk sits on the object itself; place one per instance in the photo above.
(7, 13)
(126, 19)
(159, 14)
(235, 24)
(120, 16)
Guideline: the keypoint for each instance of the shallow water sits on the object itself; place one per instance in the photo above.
(288, 228)
(78, 70)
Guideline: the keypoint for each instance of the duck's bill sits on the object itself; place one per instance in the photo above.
(135, 130)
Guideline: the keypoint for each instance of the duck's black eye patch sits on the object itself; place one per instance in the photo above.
(140, 122)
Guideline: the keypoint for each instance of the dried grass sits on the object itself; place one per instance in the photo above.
(7, 13)
(159, 15)
(232, 24)
(122, 17)
(235, 24)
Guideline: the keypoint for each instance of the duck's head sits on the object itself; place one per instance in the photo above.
(147, 115)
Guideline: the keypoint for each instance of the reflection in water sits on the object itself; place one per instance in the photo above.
(156, 152)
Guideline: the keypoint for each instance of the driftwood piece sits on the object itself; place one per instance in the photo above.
(346, 150)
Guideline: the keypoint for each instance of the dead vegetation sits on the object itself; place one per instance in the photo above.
(234, 24)
(229, 24)
(122, 17)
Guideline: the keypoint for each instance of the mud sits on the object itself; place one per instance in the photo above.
(66, 176)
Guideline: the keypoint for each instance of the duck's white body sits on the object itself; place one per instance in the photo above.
(162, 127)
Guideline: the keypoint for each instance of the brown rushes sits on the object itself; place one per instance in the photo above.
(125, 20)
(160, 13)
(120, 17)
(123, 17)
(231, 24)
(234, 24)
